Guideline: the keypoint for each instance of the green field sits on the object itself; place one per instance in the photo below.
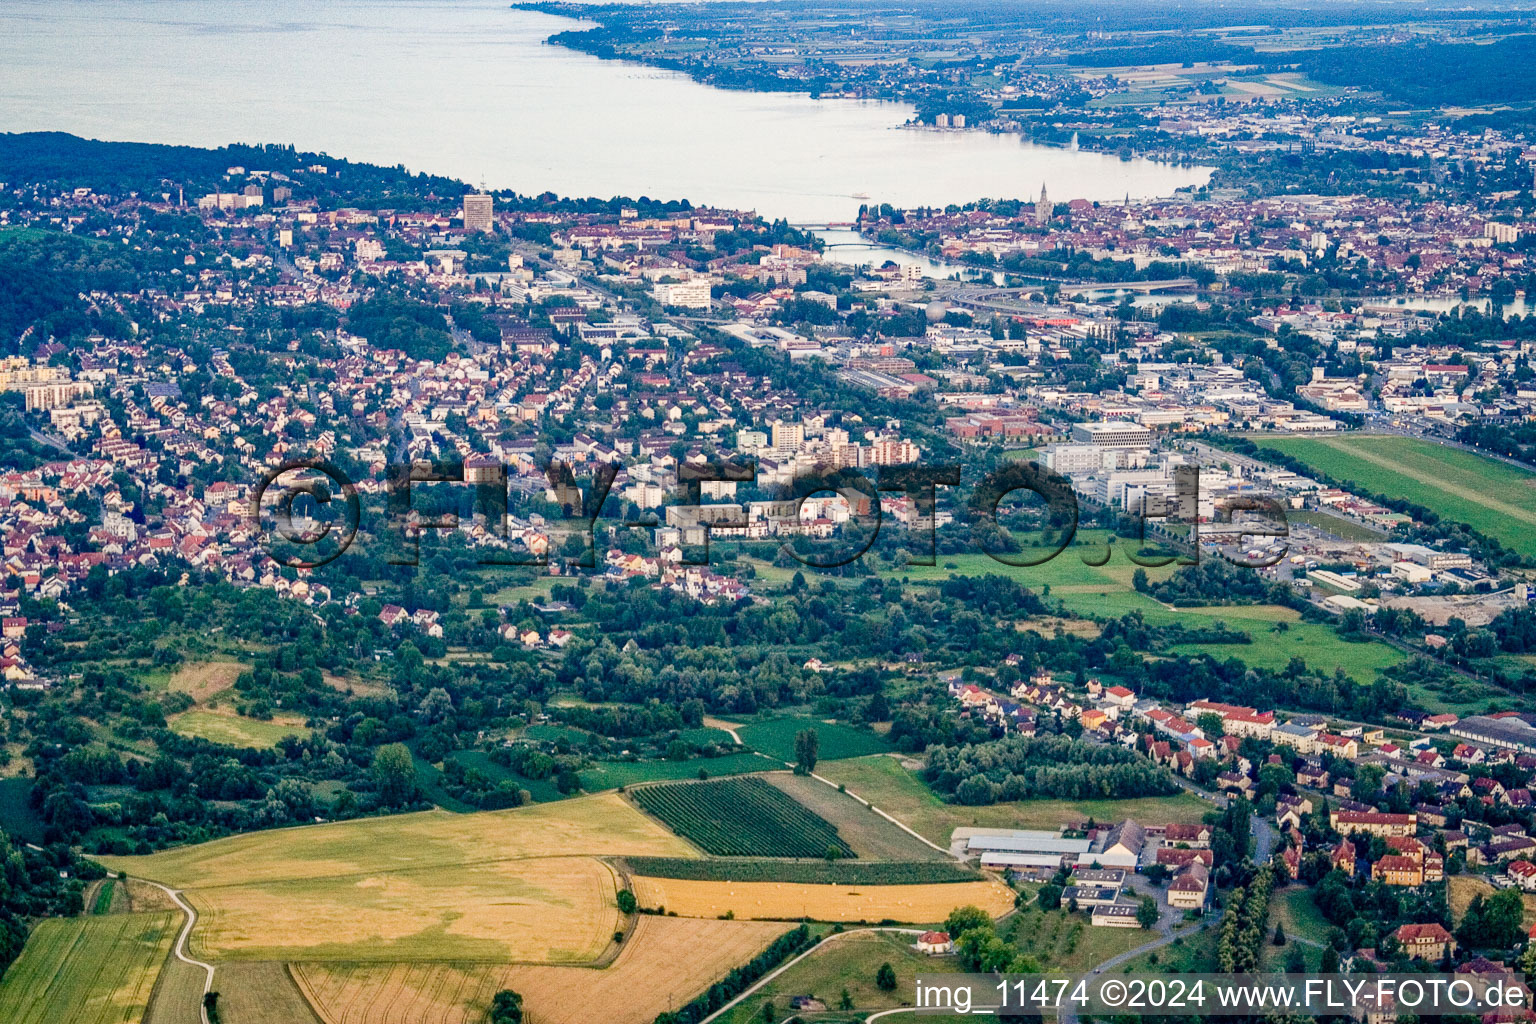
(1487, 495)
(886, 784)
(612, 774)
(872, 836)
(744, 817)
(1346, 529)
(776, 738)
(848, 962)
(17, 816)
(236, 730)
(1316, 643)
(87, 970)
(802, 872)
(1106, 592)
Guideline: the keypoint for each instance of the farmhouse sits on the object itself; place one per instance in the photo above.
(935, 943)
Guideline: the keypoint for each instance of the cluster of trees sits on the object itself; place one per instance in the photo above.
(1240, 939)
(33, 885)
(1023, 767)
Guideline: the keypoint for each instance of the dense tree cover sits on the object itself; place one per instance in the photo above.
(1433, 74)
(37, 883)
(1024, 767)
(1216, 582)
(415, 328)
(1240, 938)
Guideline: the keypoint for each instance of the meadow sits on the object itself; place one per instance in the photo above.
(236, 730)
(743, 817)
(601, 775)
(87, 970)
(886, 784)
(848, 962)
(1490, 496)
(776, 738)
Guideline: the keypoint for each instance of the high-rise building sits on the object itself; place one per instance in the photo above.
(788, 438)
(478, 209)
(1043, 208)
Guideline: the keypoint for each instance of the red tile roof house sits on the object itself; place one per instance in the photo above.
(934, 943)
(1425, 941)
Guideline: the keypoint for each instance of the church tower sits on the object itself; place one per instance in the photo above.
(1043, 208)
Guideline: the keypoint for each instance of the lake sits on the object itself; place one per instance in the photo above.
(469, 89)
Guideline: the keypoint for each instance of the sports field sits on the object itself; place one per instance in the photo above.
(87, 970)
(886, 784)
(664, 964)
(788, 901)
(1488, 495)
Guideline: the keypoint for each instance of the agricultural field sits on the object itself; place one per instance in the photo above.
(816, 872)
(776, 738)
(179, 992)
(433, 885)
(236, 730)
(1486, 494)
(870, 835)
(785, 901)
(585, 826)
(744, 817)
(664, 964)
(846, 962)
(540, 910)
(899, 792)
(259, 993)
(87, 970)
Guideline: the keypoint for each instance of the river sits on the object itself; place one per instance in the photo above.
(469, 89)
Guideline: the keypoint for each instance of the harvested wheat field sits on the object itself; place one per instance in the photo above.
(603, 825)
(542, 910)
(665, 963)
(791, 901)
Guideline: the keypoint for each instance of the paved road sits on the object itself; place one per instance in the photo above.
(181, 944)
